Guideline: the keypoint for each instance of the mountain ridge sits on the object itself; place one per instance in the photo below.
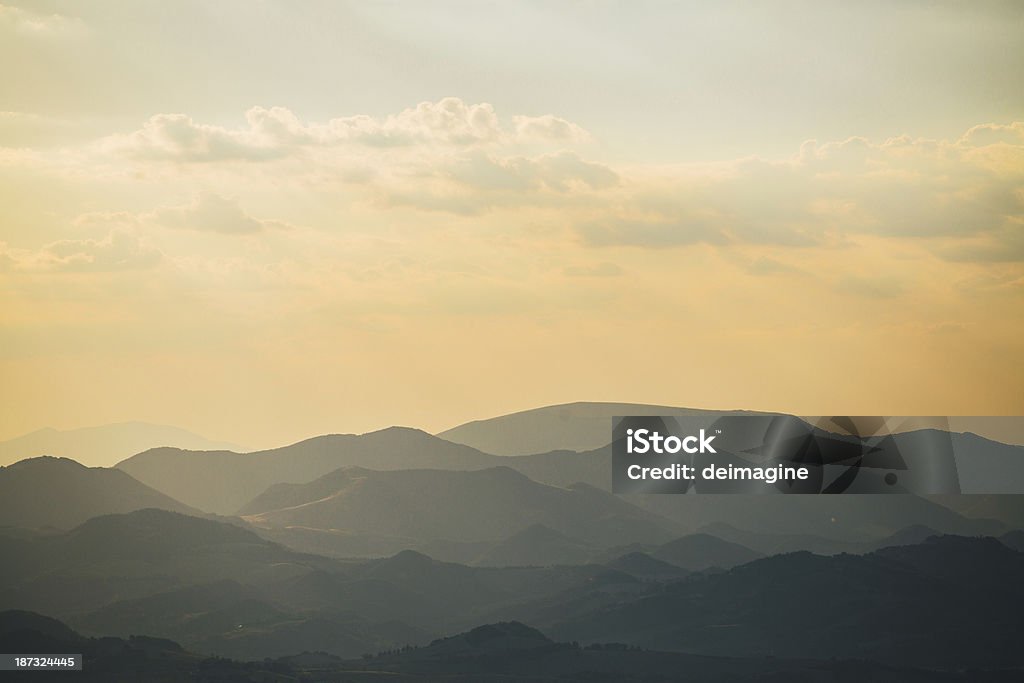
(48, 491)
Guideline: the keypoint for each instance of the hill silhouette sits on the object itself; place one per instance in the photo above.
(421, 505)
(695, 552)
(223, 481)
(102, 446)
(586, 425)
(536, 546)
(924, 604)
(582, 426)
(222, 589)
(61, 493)
(644, 566)
(502, 651)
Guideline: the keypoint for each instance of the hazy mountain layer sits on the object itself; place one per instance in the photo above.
(694, 552)
(948, 602)
(585, 426)
(571, 426)
(61, 493)
(102, 446)
(418, 506)
(224, 481)
(221, 588)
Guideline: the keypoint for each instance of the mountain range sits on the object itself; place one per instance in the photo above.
(450, 560)
(218, 588)
(414, 507)
(59, 493)
(491, 653)
(105, 445)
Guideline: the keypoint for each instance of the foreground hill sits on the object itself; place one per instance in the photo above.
(512, 651)
(113, 557)
(215, 586)
(102, 446)
(949, 602)
(222, 589)
(223, 481)
(504, 651)
(418, 506)
(117, 660)
(799, 520)
(61, 493)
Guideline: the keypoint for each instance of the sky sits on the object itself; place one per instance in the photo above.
(262, 221)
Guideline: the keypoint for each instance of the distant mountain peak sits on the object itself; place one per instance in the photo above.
(44, 461)
(408, 559)
(58, 492)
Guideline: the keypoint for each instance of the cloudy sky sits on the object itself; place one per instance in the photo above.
(267, 220)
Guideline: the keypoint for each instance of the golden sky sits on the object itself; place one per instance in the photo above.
(267, 220)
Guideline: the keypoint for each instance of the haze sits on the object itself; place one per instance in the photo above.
(265, 220)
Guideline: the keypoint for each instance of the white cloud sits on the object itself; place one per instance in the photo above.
(277, 132)
(963, 199)
(176, 137)
(548, 128)
(449, 121)
(992, 134)
(558, 172)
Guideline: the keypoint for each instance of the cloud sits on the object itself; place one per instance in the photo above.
(962, 199)
(449, 121)
(120, 250)
(765, 266)
(870, 286)
(1001, 246)
(994, 134)
(209, 212)
(30, 24)
(176, 137)
(558, 172)
(473, 182)
(276, 132)
(548, 128)
(993, 284)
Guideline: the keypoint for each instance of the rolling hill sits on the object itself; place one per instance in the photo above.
(102, 446)
(60, 493)
(571, 426)
(223, 481)
(695, 552)
(492, 653)
(922, 605)
(422, 505)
